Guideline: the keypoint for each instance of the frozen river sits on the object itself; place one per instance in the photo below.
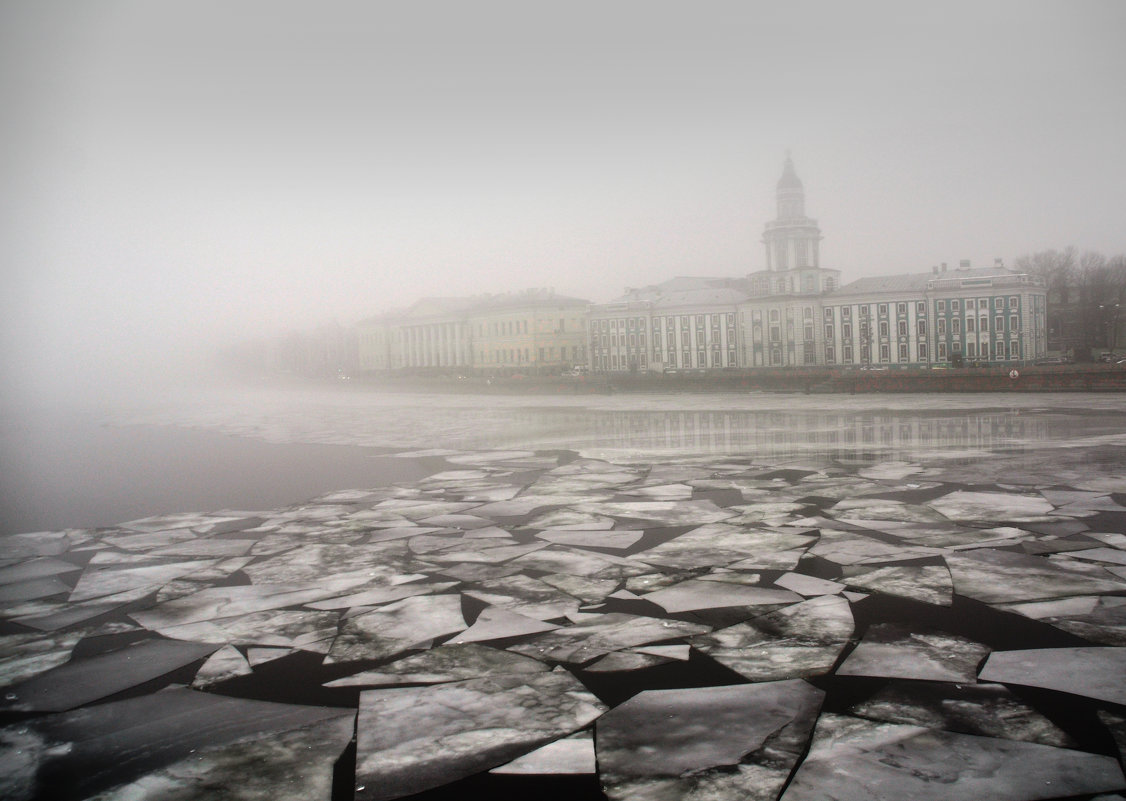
(339, 593)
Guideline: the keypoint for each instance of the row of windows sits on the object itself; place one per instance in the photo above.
(510, 327)
(979, 303)
(881, 310)
(524, 355)
(974, 324)
(845, 312)
(614, 340)
(638, 339)
(686, 320)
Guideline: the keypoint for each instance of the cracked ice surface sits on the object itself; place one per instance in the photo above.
(414, 739)
(696, 610)
(869, 761)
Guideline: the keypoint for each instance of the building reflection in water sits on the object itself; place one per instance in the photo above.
(777, 436)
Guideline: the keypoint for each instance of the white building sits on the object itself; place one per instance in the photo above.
(796, 313)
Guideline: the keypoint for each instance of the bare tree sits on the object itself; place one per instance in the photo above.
(1057, 267)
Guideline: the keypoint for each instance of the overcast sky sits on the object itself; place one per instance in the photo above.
(187, 171)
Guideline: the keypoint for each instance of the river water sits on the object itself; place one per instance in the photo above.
(203, 449)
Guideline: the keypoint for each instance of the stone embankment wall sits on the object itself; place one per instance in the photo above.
(1056, 378)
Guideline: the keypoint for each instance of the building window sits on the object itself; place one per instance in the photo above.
(730, 358)
(829, 314)
(941, 305)
(922, 351)
(808, 332)
(901, 308)
(903, 352)
(942, 350)
(830, 355)
(846, 330)
(998, 324)
(1014, 350)
(883, 328)
(956, 325)
(902, 328)
(1013, 324)
(941, 326)
(883, 310)
(969, 325)
(969, 304)
(971, 350)
(687, 358)
(1014, 302)
(921, 327)
(846, 354)
(846, 312)
(921, 307)
(885, 353)
(954, 305)
(828, 330)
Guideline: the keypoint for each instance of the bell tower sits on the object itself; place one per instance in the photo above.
(792, 240)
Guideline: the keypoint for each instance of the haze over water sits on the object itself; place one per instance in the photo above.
(200, 449)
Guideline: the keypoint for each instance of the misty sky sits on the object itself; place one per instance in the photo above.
(186, 171)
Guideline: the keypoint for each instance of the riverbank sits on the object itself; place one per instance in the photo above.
(1031, 378)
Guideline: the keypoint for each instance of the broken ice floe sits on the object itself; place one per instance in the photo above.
(412, 739)
(893, 652)
(737, 741)
(864, 761)
(489, 605)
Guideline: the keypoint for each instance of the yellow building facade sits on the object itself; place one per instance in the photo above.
(533, 331)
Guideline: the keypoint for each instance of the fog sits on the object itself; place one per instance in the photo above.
(179, 175)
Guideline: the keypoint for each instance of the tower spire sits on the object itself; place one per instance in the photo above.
(792, 239)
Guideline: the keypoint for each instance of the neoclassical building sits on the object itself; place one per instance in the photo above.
(796, 313)
(533, 331)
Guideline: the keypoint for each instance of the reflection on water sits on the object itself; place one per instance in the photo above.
(762, 427)
(778, 435)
